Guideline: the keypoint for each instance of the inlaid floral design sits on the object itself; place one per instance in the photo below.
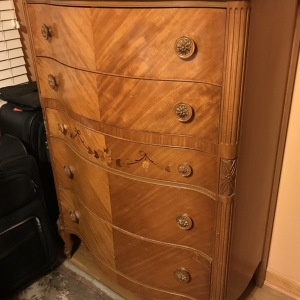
(144, 160)
(102, 154)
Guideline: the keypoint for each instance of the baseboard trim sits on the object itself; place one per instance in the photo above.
(283, 284)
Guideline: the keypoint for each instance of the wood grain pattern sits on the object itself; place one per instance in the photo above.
(77, 90)
(99, 239)
(154, 161)
(150, 211)
(137, 136)
(120, 102)
(71, 42)
(148, 105)
(154, 265)
(93, 190)
(135, 44)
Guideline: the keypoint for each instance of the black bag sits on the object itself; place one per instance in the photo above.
(28, 126)
(27, 247)
(23, 96)
(22, 117)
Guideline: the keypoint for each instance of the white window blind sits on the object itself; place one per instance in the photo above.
(12, 63)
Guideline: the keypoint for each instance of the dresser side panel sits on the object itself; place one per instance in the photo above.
(269, 50)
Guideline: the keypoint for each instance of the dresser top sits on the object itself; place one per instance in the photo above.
(141, 3)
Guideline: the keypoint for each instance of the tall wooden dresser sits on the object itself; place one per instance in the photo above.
(163, 138)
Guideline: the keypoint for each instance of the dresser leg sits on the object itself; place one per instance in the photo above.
(68, 246)
(66, 238)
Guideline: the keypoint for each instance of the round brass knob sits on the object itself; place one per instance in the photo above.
(183, 112)
(74, 216)
(68, 171)
(184, 47)
(52, 82)
(185, 170)
(46, 31)
(62, 128)
(184, 222)
(182, 275)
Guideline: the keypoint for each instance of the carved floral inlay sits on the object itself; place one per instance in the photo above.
(105, 155)
(144, 160)
(227, 177)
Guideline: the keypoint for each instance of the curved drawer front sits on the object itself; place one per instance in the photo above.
(136, 45)
(96, 235)
(149, 263)
(132, 204)
(166, 163)
(84, 179)
(162, 266)
(166, 107)
(168, 214)
(69, 40)
(77, 90)
(143, 43)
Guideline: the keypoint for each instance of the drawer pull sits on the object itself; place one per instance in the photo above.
(74, 216)
(185, 170)
(182, 275)
(184, 47)
(52, 82)
(184, 222)
(68, 171)
(62, 128)
(46, 31)
(183, 112)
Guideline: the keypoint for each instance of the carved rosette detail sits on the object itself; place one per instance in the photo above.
(74, 216)
(183, 112)
(62, 128)
(184, 222)
(227, 177)
(182, 275)
(46, 31)
(52, 82)
(68, 172)
(184, 47)
(185, 170)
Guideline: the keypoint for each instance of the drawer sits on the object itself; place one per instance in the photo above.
(141, 44)
(163, 213)
(155, 265)
(80, 220)
(76, 90)
(154, 211)
(166, 107)
(70, 41)
(76, 174)
(166, 163)
(162, 266)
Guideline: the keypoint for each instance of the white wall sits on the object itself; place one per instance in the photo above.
(284, 260)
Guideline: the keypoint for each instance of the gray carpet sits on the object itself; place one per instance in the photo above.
(65, 282)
